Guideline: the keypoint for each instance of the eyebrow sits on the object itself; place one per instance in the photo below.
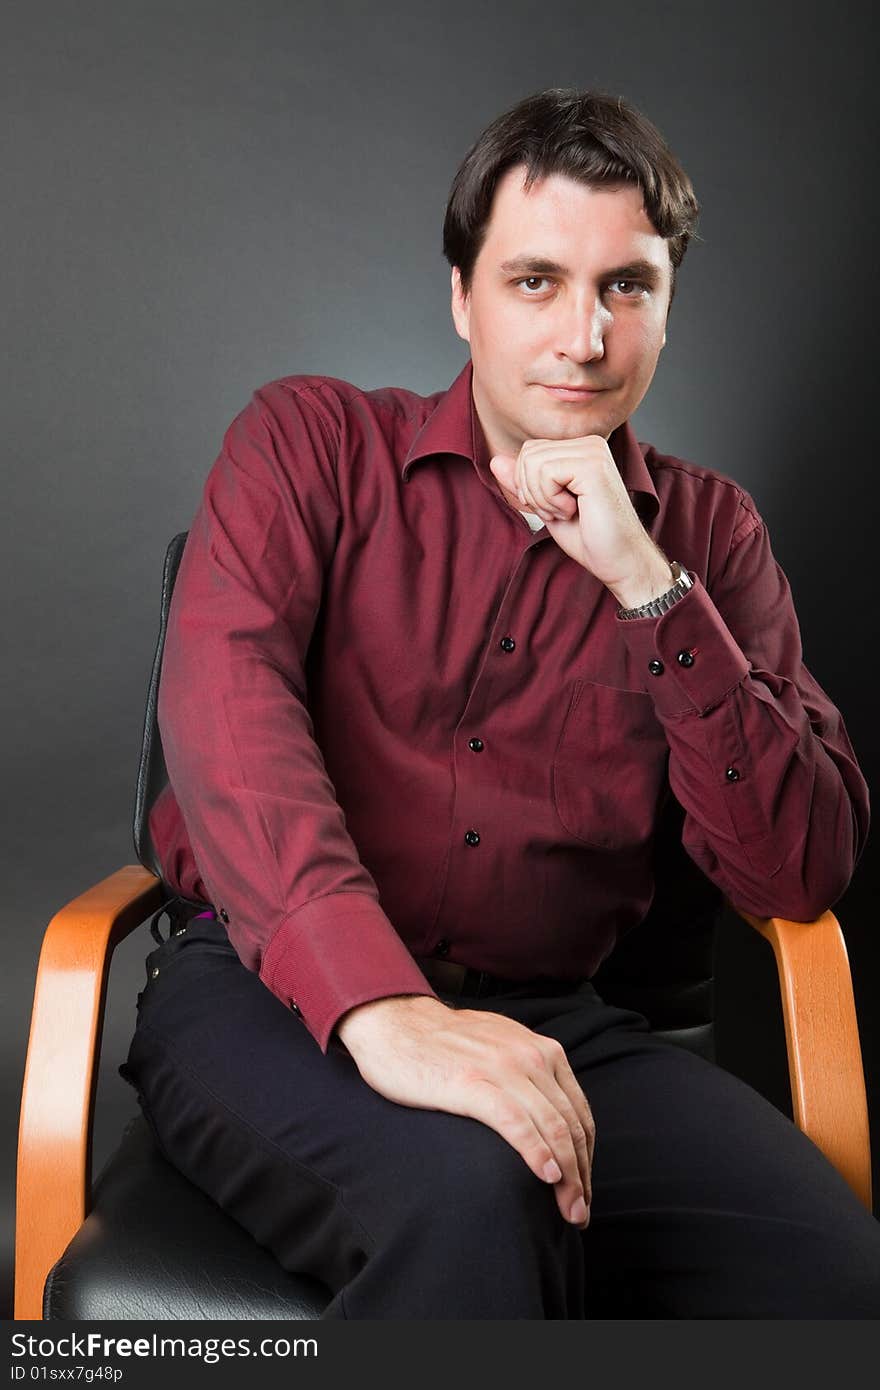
(541, 265)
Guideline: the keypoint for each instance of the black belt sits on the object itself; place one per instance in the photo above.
(448, 977)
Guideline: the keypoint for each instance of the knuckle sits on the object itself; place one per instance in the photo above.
(579, 1137)
(532, 1057)
(555, 1051)
(509, 1119)
(557, 1131)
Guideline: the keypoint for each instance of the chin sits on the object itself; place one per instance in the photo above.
(572, 425)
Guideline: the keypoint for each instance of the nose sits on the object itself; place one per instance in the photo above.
(582, 329)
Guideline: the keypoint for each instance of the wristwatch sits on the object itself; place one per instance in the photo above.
(655, 607)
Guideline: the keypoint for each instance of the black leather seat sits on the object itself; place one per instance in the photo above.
(153, 1246)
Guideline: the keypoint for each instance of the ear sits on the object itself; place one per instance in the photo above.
(460, 307)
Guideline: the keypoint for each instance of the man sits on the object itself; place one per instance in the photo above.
(433, 669)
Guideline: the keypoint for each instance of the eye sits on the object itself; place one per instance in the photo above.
(634, 287)
(531, 280)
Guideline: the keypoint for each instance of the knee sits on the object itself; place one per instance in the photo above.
(479, 1181)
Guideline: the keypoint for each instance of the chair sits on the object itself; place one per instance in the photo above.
(144, 1243)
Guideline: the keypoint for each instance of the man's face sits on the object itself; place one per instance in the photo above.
(570, 289)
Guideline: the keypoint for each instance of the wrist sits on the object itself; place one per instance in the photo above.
(358, 1025)
(653, 580)
(661, 603)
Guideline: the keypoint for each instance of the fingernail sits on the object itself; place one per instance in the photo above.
(578, 1213)
(552, 1171)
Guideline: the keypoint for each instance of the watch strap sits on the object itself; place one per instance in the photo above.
(656, 607)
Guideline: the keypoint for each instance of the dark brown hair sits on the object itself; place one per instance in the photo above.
(588, 136)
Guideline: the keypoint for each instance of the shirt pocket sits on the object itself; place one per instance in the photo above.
(609, 770)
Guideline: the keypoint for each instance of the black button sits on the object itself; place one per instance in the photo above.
(224, 915)
(685, 658)
(475, 745)
(472, 838)
(655, 667)
(507, 644)
(442, 947)
(732, 775)
(295, 1008)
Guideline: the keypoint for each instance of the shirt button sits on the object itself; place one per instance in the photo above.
(442, 947)
(732, 774)
(685, 658)
(475, 745)
(472, 838)
(655, 667)
(224, 915)
(507, 644)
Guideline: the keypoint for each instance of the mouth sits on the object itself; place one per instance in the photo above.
(579, 394)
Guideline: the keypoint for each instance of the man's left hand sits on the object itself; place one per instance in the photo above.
(575, 487)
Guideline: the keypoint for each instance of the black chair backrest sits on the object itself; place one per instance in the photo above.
(152, 775)
(663, 968)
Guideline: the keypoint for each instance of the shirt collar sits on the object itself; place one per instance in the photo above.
(453, 427)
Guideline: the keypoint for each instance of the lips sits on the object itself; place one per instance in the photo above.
(573, 393)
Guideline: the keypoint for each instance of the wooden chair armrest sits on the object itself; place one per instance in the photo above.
(60, 1077)
(822, 1040)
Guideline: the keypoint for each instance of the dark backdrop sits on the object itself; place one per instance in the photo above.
(199, 197)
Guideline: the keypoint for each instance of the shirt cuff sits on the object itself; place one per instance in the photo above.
(687, 659)
(336, 952)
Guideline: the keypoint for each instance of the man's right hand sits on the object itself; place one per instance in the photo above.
(415, 1050)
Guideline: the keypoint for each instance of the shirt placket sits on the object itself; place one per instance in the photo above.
(475, 830)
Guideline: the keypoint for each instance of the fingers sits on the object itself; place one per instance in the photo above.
(551, 1131)
(503, 468)
(563, 1117)
(583, 1117)
(497, 1107)
(562, 1131)
(566, 1122)
(522, 488)
(538, 491)
(568, 1083)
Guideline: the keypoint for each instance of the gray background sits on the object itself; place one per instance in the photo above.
(199, 197)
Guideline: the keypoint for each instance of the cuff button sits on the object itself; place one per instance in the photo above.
(656, 667)
(732, 774)
(685, 658)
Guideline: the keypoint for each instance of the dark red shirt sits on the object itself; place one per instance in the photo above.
(395, 719)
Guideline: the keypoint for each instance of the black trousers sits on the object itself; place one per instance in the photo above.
(707, 1202)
